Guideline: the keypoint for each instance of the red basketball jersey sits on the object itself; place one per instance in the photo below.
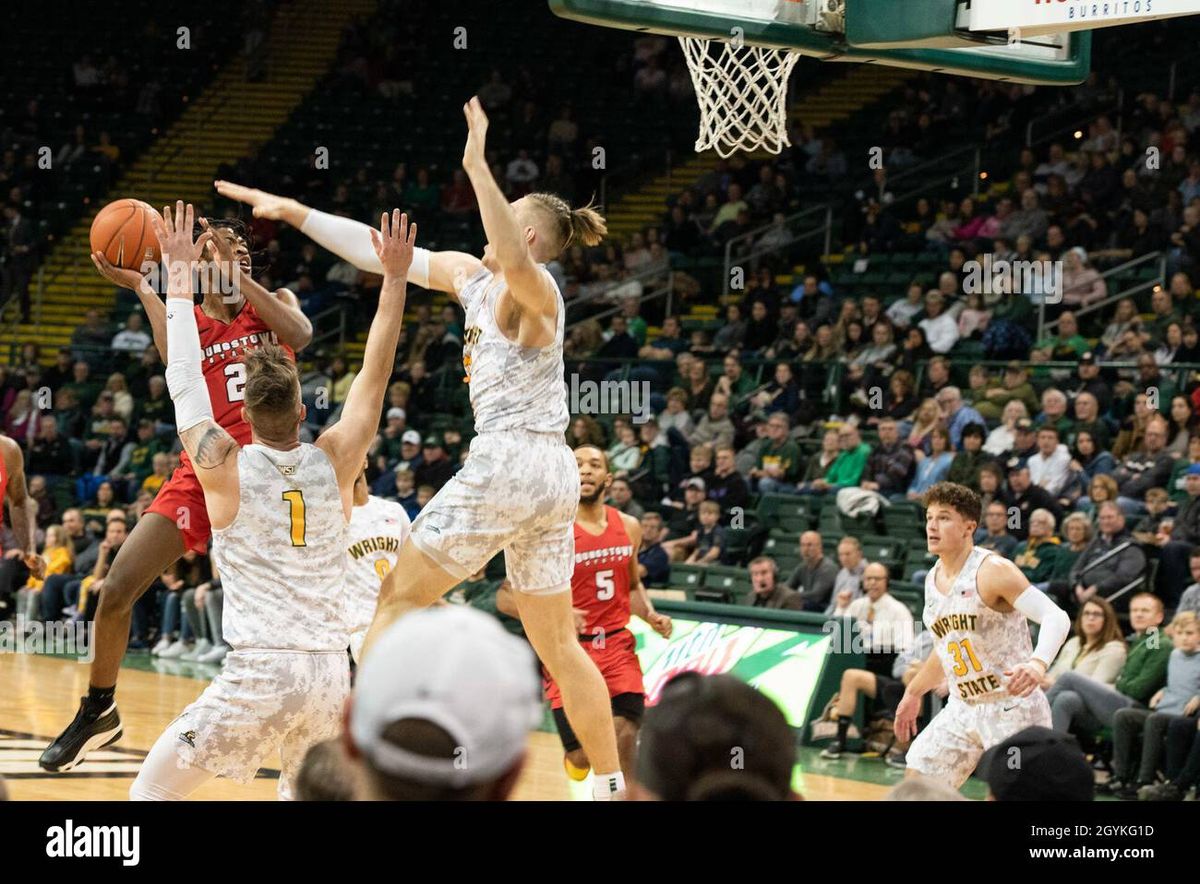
(222, 347)
(600, 584)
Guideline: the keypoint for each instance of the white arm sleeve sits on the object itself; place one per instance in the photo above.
(1054, 623)
(185, 377)
(350, 240)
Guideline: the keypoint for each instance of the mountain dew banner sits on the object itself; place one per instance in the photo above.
(784, 664)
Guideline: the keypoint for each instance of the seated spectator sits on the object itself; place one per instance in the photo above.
(1145, 469)
(1088, 420)
(956, 414)
(491, 711)
(1014, 386)
(1049, 468)
(1089, 460)
(933, 467)
(1178, 698)
(939, 326)
(846, 469)
(676, 416)
(1080, 703)
(1038, 555)
(779, 463)
(1054, 412)
(847, 585)
(991, 484)
(927, 417)
(890, 465)
(621, 499)
(715, 428)
(965, 467)
(1052, 768)
(59, 554)
(1026, 497)
(689, 735)
(685, 521)
(654, 565)
(816, 574)
(884, 622)
(625, 454)
(1155, 522)
(1182, 426)
(766, 591)
(726, 485)
(668, 344)
(1003, 438)
(133, 337)
(1091, 576)
(781, 395)
(710, 536)
(993, 533)
(1096, 650)
(1081, 283)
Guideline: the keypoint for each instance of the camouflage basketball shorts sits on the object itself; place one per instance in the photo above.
(518, 492)
(264, 705)
(950, 747)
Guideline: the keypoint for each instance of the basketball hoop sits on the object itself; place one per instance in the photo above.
(742, 92)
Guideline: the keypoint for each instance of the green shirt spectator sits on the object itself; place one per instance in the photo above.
(1145, 669)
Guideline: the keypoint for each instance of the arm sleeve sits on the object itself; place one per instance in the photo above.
(1054, 622)
(185, 378)
(350, 240)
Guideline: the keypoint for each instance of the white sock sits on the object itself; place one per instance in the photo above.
(606, 786)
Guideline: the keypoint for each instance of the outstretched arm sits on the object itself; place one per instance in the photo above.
(206, 442)
(528, 285)
(347, 441)
(351, 240)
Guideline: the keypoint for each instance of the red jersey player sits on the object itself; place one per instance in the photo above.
(605, 589)
(21, 506)
(230, 323)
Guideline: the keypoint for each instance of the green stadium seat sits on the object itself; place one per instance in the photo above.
(914, 601)
(735, 581)
(687, 576)
(780, 542)
(886, 550)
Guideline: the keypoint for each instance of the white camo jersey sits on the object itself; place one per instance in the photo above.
(512, 387)
(975, 644)
(283, 559)
(377, 530)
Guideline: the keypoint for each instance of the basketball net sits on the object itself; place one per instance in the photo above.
(742, 92)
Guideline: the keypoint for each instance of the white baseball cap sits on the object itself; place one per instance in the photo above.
(396, 413)
(411, 437)
(458, 669)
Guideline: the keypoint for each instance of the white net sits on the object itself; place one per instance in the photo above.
(742, 92)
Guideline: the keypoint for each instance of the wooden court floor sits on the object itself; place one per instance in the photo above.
(39, 695)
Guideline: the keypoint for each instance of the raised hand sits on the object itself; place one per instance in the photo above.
(119, 276)
(266, 205)
(179, 251)
(394, 242)
(474, 154)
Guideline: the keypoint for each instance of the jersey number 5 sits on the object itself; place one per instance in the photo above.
(296, 501)
(235, 386)
(605, 588)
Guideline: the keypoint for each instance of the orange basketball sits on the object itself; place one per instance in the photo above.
(122, 231)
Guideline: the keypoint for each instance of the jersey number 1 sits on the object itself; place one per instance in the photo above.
(296, 501)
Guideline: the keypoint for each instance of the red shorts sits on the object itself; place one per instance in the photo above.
(617, 662)
(181, 499)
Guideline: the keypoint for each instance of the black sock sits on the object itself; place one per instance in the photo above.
(100, 696)
(843, 729)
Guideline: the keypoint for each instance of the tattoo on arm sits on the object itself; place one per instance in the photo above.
(211, 445)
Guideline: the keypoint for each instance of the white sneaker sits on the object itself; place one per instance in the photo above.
(202, 647)
(174, 651)
(216, 655)
(163, 644)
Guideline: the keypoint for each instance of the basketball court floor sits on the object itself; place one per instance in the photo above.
(41, 693)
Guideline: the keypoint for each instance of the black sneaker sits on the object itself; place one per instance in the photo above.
(1128, 791)
(91, 729)
(1111, 786)
(833, 751)
(898, 760)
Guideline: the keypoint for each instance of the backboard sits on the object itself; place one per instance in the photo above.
(933, 35)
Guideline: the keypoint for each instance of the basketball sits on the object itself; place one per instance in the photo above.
(123, 233)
